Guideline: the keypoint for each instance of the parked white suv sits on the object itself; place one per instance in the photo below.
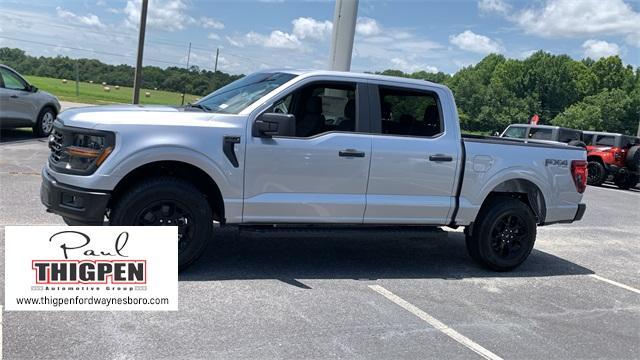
(23, 105)
(291, 148)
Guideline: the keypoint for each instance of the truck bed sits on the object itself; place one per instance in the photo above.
(517, 142)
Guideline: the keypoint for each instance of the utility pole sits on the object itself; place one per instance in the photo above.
(215, 67)
(344, 28)
(77, 79)
(138, 74)
(184, 89)
(638, 134)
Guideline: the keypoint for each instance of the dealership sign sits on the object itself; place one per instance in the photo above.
(91, 268)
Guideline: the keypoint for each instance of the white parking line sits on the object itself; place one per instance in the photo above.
(0, 332)
(436, 323)
(626, 287)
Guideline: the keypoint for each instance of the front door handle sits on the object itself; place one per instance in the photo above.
(351, 153)
(14, 96)
(440, 157)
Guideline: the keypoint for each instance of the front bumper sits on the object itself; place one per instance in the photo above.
(83, 205)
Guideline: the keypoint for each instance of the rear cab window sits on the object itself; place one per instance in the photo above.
(409, 112)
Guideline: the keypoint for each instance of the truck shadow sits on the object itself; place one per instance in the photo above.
(363, 257)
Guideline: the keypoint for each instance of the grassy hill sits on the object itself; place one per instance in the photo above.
(96, 94)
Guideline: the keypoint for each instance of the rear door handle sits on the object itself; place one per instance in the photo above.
(440, 157)
(351, 153)
(14, 96)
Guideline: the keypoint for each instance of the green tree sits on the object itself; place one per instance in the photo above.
(610, 110)
(612, 74)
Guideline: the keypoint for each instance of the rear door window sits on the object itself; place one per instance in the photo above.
(540, 133)
(410, 112)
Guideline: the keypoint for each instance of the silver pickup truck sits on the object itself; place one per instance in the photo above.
(293, 148)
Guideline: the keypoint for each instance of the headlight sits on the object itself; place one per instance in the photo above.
(79, 151)
(87, 150)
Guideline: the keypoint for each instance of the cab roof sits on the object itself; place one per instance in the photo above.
(354, 75)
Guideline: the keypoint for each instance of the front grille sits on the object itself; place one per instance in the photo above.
(55, 144)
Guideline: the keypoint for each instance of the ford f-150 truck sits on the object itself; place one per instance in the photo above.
(293, 148)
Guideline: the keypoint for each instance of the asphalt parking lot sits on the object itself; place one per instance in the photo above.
(369, 295)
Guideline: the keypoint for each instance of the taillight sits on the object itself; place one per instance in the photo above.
(617, 155)
(579, 174)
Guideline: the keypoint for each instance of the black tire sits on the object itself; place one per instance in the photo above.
(169, 201)
(596, 174)
(626, 181)
(503, 234)
(44, 123)
(578, 143)
(73, 222)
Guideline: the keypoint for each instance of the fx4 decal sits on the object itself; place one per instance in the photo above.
(556, 162)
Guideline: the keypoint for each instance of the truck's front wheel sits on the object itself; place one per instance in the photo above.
(168, 202)
(503, 234)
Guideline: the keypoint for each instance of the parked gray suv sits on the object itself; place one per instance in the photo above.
(23, 105)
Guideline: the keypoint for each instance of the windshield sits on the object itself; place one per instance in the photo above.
(235, 97)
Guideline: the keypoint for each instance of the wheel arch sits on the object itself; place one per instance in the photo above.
(49, 105)
(179, 169)
(597, 158)
(524, 190)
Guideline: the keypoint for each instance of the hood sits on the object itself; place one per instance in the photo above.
(113, 115)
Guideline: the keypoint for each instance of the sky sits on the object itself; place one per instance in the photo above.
(251, 35)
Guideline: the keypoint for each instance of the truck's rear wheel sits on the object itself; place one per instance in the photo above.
(596, 173)
(503, 234)
(168, 202)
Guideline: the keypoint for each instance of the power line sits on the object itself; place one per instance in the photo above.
(163, 41)
(89, 50)
(155, 40)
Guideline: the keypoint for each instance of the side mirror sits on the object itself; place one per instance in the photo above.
(274, 124)
(32, 88)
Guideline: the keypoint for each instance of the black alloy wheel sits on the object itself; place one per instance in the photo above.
(169, 213)
(508, 236)
(503, 234)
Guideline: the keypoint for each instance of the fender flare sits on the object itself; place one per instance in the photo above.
(515, 175)
(170, 153)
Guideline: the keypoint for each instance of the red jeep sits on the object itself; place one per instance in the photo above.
(613, 157)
